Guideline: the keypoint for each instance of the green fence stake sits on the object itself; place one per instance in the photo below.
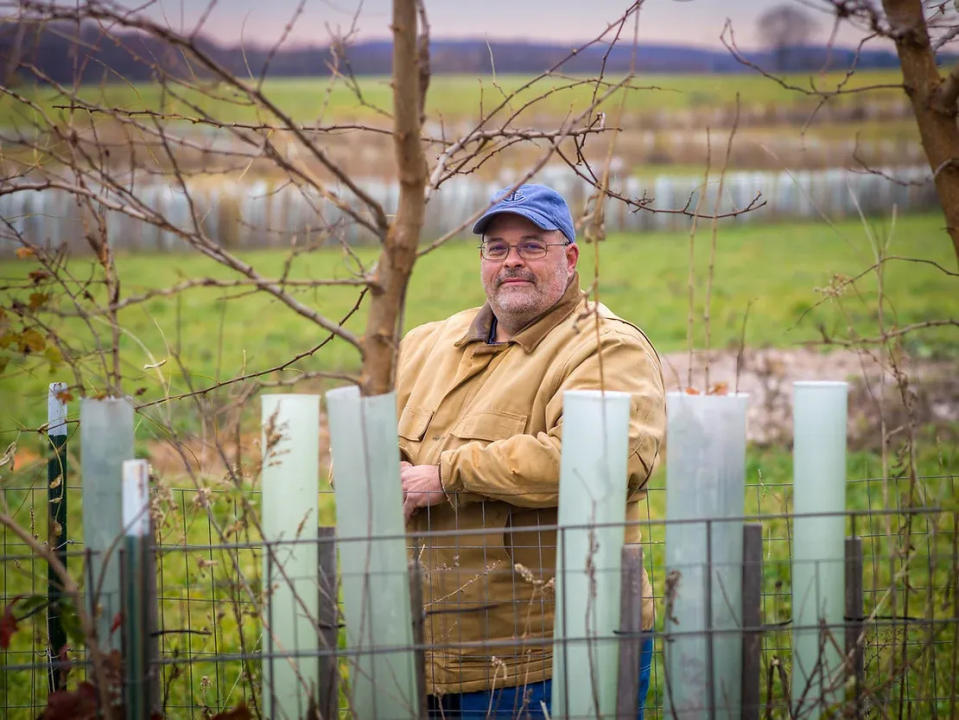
(57, 526)
(136, 617)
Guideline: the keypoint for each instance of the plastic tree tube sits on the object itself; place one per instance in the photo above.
(705, 474)
(106, 440)
(592, 510)
(818, 567)
(290, 484)
(373, 559)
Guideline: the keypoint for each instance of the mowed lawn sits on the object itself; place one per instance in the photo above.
(779, 271)
(453, 97)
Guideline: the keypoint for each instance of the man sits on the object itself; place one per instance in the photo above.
(480, 398)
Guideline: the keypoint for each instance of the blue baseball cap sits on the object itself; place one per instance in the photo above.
(541, 205)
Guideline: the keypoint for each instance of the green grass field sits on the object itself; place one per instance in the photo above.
(453, 97)
(778, 271)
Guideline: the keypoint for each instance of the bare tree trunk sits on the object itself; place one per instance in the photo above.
(380, 344)
(933, 102)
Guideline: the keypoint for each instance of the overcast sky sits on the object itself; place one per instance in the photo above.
(693, 22)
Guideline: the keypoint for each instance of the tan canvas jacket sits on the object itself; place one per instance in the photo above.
(491, 417)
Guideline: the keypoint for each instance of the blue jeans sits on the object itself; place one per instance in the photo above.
(523, 702)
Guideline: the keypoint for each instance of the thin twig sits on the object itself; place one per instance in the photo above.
(691, 279)
(707, 306)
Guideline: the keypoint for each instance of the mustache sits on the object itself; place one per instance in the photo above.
(517, 274)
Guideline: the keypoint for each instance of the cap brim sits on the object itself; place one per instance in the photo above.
(539, 220)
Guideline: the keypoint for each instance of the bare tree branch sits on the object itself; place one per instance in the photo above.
(384, 325)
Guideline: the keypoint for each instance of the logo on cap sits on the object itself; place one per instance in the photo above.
(514, 197)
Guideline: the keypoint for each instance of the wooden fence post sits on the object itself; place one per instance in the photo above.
(854, 655)
(152, 630)
(630, 627)
(328, 619)
(137, 638)
(752, 618)
(419, 654)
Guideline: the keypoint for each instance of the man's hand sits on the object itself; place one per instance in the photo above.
(421, 486)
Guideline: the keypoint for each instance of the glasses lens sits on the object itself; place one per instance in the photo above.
(528, 249)
(495, 250)
(531, 249)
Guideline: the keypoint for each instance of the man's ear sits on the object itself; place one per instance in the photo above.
(572, 256)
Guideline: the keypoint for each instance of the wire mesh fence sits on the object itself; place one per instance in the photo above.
(215, 611)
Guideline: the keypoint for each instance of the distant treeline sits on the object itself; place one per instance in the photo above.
(63, 53)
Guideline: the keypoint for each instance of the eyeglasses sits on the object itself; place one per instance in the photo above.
(527, 249)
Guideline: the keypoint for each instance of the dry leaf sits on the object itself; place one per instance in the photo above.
(7, 457)
(8, 624)
(79, 704)
(31, 341)
(240, 712)
(38, 300)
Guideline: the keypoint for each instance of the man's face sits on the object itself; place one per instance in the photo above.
(518, 289)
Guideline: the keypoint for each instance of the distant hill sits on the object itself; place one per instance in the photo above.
(63, 55)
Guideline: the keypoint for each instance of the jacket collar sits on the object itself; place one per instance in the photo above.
(534, 333)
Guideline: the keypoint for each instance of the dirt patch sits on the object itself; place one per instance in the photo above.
(767, 376)
(218, 458)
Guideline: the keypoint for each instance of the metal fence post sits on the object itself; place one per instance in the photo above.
(328, 618)
(854, 625)
(752, 618)
(57, 528)
(630, 627)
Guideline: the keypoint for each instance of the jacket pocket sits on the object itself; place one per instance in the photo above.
(529, 546)
(413, 423)
(489, 425)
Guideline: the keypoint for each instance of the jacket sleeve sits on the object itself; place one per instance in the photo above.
(523, 470)
(414, 347)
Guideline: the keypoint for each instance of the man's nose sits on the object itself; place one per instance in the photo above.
(513, 258)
